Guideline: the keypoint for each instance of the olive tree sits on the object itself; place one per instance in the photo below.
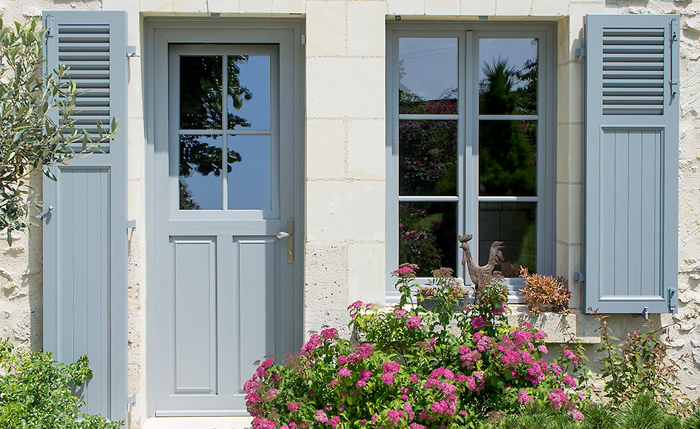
(29, 139)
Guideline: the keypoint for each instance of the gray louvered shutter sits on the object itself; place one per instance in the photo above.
(631, 196)
(85, 253)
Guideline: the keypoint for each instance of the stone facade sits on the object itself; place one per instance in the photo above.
(345, 159)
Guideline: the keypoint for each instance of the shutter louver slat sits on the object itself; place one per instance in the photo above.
(84, 50)
(632, 59)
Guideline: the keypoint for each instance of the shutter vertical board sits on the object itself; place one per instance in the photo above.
(85, 253)
(631, 146)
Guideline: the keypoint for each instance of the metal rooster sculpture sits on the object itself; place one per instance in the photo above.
(479, 273)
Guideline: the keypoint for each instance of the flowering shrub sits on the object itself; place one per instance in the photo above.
(412, 368)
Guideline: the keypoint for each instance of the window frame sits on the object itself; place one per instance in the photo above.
(468, 35)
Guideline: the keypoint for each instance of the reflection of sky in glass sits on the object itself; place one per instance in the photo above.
(205, 190)
(249, 185)
(516, 51)
(255, 76)
(430, 66)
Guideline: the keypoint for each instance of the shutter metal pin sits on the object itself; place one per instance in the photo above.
(45, 213)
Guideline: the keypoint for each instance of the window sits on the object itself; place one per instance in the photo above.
(470, 147)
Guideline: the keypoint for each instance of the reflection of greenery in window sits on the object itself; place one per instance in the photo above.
(428, 235)
(201, 84)
(507, 151)
(186, 200)
(417, 238)
(428, 157)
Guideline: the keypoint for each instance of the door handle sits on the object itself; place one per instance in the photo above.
(288, 234)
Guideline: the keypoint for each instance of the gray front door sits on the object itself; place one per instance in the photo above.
(225, 200)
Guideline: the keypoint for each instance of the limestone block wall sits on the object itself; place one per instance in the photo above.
(344, 156)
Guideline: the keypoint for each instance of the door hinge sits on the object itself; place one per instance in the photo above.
(580, 52)
(671, 303)
(303, 39)
(579, 277)
(131, 400)
(131, 224)
(131, 51)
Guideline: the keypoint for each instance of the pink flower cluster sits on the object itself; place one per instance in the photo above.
(558, 398)
(413, 322)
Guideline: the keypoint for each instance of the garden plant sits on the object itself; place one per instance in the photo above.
(36, 392)
(412, 368)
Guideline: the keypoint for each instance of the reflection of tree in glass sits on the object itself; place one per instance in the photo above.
(186, 200)
(200, 156)
(507, 153)
(201, 94)
(201, 91)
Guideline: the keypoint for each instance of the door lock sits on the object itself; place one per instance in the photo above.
(288, 234)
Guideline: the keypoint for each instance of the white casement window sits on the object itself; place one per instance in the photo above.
(471, 146)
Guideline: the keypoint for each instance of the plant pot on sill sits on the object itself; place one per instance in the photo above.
(430, 303)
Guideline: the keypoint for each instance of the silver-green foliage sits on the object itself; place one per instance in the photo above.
(29, 139)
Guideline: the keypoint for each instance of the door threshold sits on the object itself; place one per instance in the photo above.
(197, 423)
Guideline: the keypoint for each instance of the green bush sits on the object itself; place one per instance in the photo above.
(35, 392)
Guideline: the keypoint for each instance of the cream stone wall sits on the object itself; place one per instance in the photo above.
(345, 160)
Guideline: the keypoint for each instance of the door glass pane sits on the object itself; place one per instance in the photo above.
(249, 92)
(200, 179)
(428, 76)
(249, 182)
(514, 224)
(428, 236)
(427, 157)
(201, 87)
(507, 158)
(508, 76)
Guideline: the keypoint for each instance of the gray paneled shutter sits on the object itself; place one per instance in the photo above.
(631, 195)
(85, 253)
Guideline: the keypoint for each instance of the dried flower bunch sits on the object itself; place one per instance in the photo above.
(543, 291)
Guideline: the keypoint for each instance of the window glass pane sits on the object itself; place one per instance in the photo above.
(515, 225)
(428, 76)
(428, 236)
(249, 172)
(249, 92)
(201, 86)
(427, 157)
(200, 173)
(507, 158)
(508, 76)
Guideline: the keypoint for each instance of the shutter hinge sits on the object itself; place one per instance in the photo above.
(131, 51)
(131, 400)
(673, 84)
(580, 52)
(579, 277)
(48, 24)
(131, 224)
(674, 34)
(645, 313)
(671, 306)
(303, 39)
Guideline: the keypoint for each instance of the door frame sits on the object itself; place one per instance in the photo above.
(158, 34)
